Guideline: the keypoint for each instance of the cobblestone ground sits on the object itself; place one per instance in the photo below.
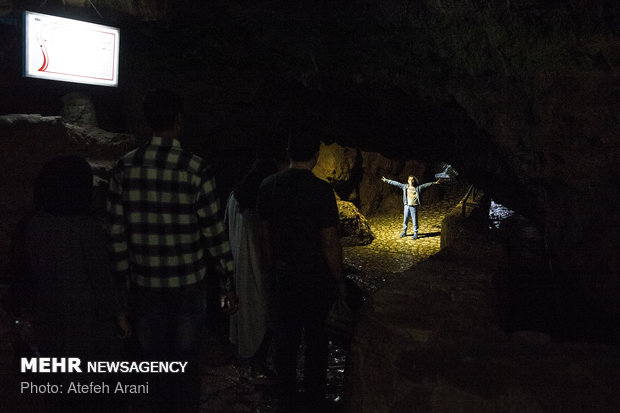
(388, 254)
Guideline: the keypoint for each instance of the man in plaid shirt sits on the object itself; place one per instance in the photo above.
(163, 219)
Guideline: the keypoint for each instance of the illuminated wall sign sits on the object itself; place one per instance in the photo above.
(70, 50)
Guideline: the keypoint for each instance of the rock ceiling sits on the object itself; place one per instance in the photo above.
(522, 96)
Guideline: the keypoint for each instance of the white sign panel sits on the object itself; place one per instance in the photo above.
(70, 50)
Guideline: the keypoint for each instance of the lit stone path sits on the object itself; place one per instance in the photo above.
(389, 254)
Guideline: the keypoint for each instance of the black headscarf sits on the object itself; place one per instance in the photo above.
(247, 191)
(64, 186)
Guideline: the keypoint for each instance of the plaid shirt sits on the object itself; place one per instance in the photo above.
(162, 215)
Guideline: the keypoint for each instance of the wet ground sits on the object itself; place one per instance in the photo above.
(228, 387)
(224, 387)
(389, 255)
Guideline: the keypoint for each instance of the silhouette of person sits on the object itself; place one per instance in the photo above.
(300, 230)
(163, 221)
(249, 326)
(69, 287)
(75, 299)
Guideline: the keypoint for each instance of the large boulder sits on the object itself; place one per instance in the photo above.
(354, 228)
(338, 165)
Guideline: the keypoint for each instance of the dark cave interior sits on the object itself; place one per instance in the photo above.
(521, 97)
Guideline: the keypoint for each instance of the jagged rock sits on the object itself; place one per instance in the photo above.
(78, 109)
(377, 196)
(338, 164)
(354, 228)
(99, 143)
(446, 172)
(356, 177)
(430, 341)
(457, 223)
(341, 167)
(32, 119)
(521, 97)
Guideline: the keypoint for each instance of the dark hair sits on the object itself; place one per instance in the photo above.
(161, 107)
(64, 186)
(247, 191)
(302, 146)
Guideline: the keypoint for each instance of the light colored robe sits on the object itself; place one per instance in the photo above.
(249, 324)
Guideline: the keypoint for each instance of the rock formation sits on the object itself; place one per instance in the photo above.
(521, 97)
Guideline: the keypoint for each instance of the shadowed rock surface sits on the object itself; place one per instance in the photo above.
(521, 97)
(433, 339)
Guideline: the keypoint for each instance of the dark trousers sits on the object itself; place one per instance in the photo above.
(302, 301)
(169, 325)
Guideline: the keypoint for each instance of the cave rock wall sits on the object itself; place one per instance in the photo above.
(522, 97)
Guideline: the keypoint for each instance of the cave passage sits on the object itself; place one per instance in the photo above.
(388, 254)
(370, 266)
